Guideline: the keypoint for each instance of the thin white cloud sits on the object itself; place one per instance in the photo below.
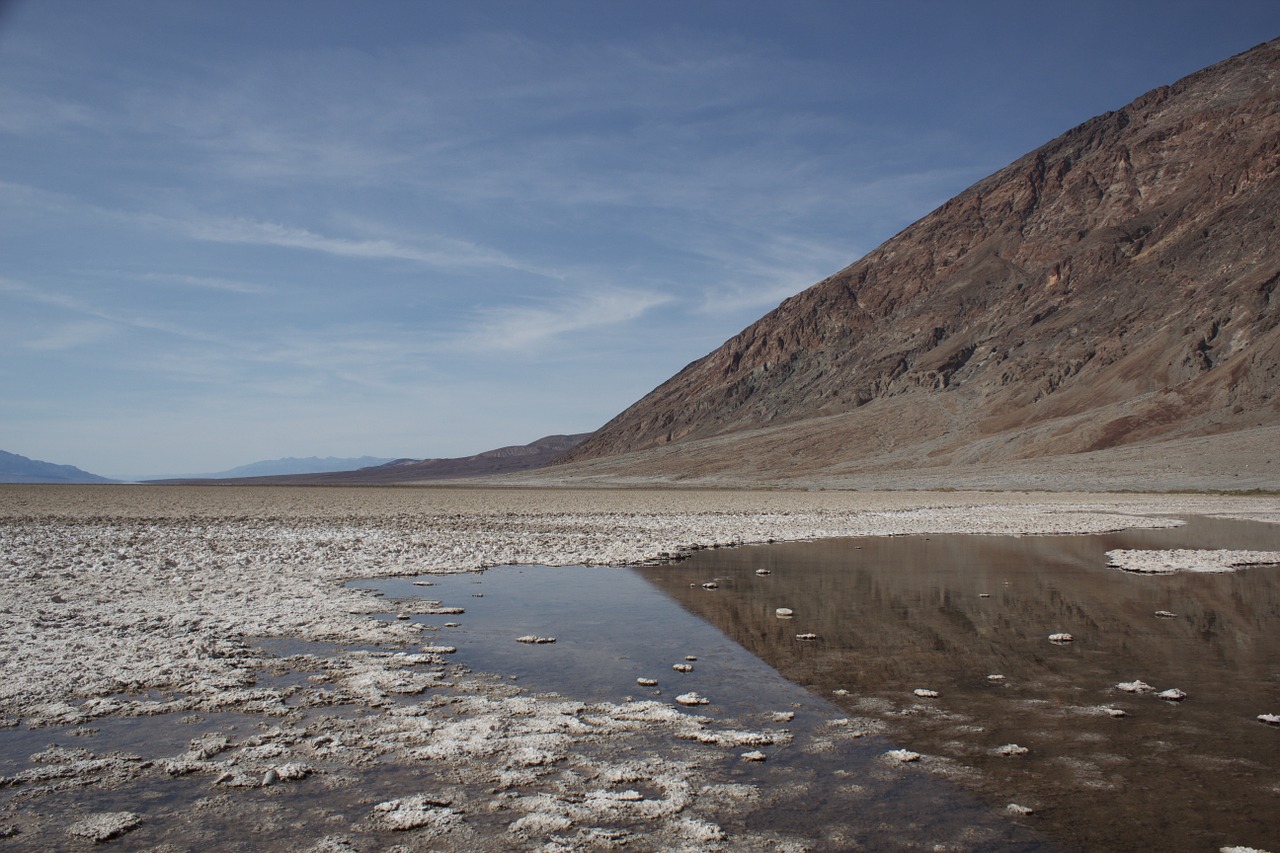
(528, 327)
(204, 282)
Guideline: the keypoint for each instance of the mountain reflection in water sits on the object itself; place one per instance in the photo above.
(945, 612)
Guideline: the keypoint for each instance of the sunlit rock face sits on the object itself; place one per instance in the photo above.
(1116, 286)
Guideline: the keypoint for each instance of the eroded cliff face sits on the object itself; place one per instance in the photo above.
(1119, 284)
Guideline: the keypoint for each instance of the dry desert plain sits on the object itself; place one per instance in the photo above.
(185, 667)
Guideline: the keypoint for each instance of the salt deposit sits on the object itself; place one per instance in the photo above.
(1157, 562)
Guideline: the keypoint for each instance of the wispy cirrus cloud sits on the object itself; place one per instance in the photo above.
(531, 326)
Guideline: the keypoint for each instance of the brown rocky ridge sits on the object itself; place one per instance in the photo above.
(1110, 295)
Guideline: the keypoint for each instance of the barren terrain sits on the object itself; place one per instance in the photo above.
(140, 603)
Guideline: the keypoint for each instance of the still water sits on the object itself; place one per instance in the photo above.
(944, 613)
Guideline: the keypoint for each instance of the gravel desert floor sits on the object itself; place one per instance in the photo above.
(191, 667)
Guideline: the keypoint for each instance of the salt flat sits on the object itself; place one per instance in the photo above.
(122, 602)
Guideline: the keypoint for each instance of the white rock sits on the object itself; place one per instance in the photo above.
(1011, 749)
(1135, 687)
(692, 699)
(1165, 614)
(984, 595)
(104, 826)
(647, 682)
(783, 716)
(533, 639)
(784, 613)
(1269, 719)
(925, 694)
(995, 678)
(682, 667)
(902, 756)
(753, 755)
(1173, 694)
(763, 572)
(1020, 811)
(711, 585)
(807, 636)
(1061, 638)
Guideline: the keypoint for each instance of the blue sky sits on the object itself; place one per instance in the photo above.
(235, 231)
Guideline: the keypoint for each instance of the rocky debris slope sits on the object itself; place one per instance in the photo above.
(1116, 286)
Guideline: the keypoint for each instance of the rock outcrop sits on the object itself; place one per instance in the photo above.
(1118, 285)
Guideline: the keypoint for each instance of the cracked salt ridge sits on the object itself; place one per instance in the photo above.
(1163, 562)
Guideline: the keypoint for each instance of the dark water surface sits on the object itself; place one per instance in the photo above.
(896, 614)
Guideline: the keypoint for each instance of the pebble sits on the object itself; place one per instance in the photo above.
(1165, 614)
(784, 613)
(1020, 811)
(692, 699)
(995, 678)
(806, 636)
(647, 682)
(1269, 719)
(763, 572)
(682, 667)
(753, 755)
(690, 657)
(984, 595)
(711, 585)
(1173, 694)
(1011, 749)
(1061, 638)
(902, 756)
(925, 694)
(532, 639)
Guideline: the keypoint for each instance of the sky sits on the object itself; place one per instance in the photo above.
(237, 231)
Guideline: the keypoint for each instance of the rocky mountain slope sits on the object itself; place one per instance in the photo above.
(1115, 288)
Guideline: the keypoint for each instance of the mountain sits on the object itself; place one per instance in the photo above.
(288, 465)
(503, 460)
(20, 469)
(1112, 290)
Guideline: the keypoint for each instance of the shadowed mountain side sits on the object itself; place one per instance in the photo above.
(504, 460)
(20, 469)
(1115, 288)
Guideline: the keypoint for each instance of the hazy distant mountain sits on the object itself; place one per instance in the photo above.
(289, 465)
(503, 460)
(20, 469)
(1118, 287)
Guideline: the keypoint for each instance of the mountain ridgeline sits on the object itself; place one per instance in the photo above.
(1116, 286)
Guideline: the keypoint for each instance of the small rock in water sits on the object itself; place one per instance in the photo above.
(984, 595)
(763, 572)
(925, 694)
(1135, 687)
(104, 826)
(995, 678)
(902, 756)
(711, 585)
(1011, 749)
(1165, 614)
(1061, 638)
(1269, 719)
(453, 624)
(753, 755)
(271, 777)
(1173, 694)
(682, 667)
(402, 616)
(784, 613)
(1020, 811)
(690, 657)
(840, 691)
(783, 716)
(1114, 712)
(692, 699)
(532, 639)
(806, 636)
(424, 583)
(647, 682)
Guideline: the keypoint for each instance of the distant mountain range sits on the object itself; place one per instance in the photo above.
(20, 469)
(503, 460)
(287, 465)
(1113, 293)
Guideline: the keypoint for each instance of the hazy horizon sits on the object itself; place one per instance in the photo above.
(234, 232)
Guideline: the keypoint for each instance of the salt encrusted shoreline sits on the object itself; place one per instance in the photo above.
(1164, 562)
(112, 593)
